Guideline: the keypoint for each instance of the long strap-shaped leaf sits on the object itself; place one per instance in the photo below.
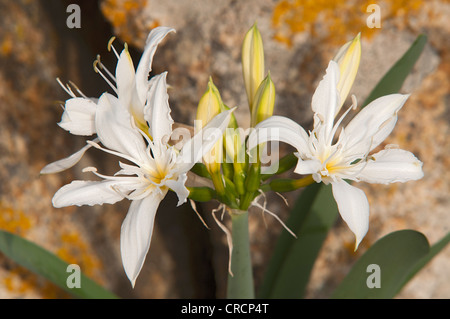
(294, 259)
(434, 250)
(397, 257)
(314, 214)
(46, 264)
(393, 80)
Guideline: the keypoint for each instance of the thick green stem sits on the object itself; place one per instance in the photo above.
(240, 284)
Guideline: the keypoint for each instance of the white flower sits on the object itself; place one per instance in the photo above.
(348, 158)
(130, 86)
(154, 167)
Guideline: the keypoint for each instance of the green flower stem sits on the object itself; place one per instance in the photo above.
(252, 184)
(240, 284)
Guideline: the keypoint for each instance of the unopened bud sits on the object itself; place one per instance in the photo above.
(209, 106)
(252, 62)
(264, 101)
(201, 194)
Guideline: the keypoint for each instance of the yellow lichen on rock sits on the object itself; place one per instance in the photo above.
(75, 250)
(334, 21)
(122, 13)
(14, 221)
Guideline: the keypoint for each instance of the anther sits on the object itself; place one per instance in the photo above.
(110, 46)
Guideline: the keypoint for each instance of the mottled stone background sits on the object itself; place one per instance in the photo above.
(186, 260)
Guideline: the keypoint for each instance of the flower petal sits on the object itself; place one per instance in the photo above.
(125, 77)
(203, 141)
(353, 207)
(145, 64)
(67, 162)
(325, 101)
(78, 116)
(157, 110)
(280, 128)
(179, 188)
(126, 86)
(136, 233)
(348, 59)
(114, 128)
(374, 123)
(390, 166)
(308, 167)
(87, 193)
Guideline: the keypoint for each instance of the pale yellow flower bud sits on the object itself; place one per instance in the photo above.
(252, 63)
(264, 101)
(209, 106)
(348, 58)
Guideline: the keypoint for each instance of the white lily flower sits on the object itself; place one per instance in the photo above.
(348, 158)
(155, 167)
(130, 86)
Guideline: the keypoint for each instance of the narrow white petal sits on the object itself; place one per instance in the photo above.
(325, 101)
(374, 123)
(115, 130)
(279, 128)
(145, 64)
(348, 59)
(393, 105)
(353, 207)
(179, 188)
(67, 162)
(87, 193)
(147, 109)
(390, 166)
(136, 233)
(126, 86)
(308, 167)
(157, 110)
(203, 141)
(78, 116)
(125, 76)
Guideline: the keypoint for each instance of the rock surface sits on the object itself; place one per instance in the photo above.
(186, 260)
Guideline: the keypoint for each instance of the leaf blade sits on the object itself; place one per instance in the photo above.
(396, 254)
(393, 80)
(46, 264)
(290, 266)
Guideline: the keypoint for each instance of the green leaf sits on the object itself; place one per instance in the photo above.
(289, 269)
(393, 80)
(434, 250)
(396, 255)
(44, 263)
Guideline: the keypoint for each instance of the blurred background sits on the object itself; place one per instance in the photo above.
(186, 260)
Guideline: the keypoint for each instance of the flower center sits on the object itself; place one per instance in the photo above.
(161, 168)
(157, 178)
(331, 163)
